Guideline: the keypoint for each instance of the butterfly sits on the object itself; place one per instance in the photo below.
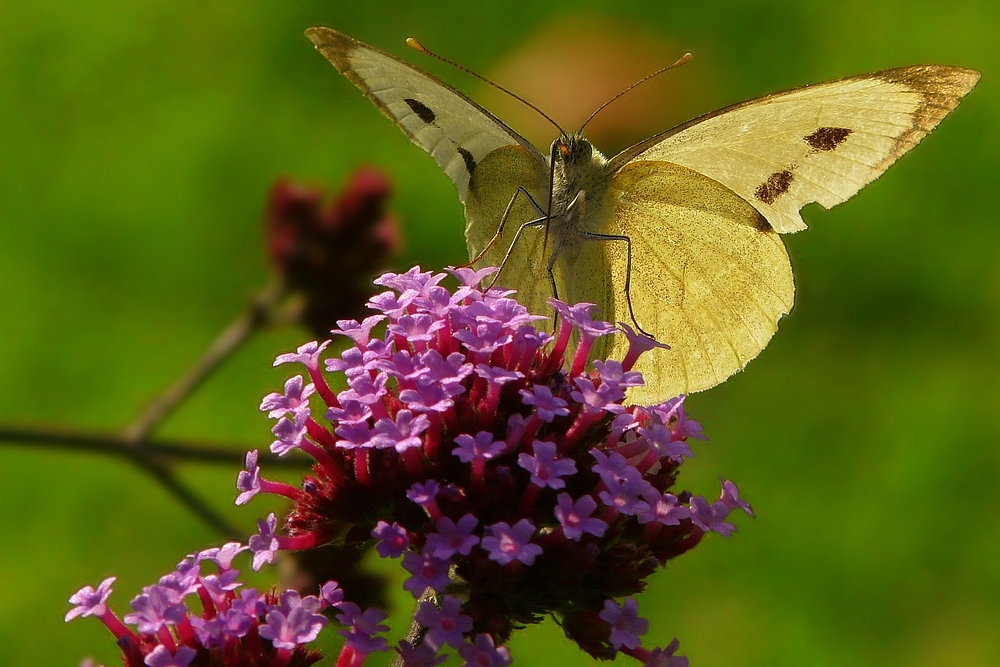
(678, 235)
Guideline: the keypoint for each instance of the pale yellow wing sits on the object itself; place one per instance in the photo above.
(457, 132)
(819, 143)
(491, 187)
(709, 276)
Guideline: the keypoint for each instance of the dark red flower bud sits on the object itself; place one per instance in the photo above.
(329, 254)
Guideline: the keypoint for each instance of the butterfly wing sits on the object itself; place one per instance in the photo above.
(709, 277)
(702, 204)
(491, 187)
(819, 143)
(457, 132)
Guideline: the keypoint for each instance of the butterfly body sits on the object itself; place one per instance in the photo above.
(679, 233)
(580, 194)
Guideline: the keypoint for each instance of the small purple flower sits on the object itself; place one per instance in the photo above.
(480, 448)
(470, 277)
(248, 481)
(626, 625)
(352, 362)
(160, 657)
(294, 622)
(507, 544)
(402, 433)
(497, 374)
(155, 608)
(416, 328)
(402, 365)
(547, 406)
(359, 332)
(236, 622)
(449, 372)
(290, 433)
(613, 467)
(362, 630)
(427, 398)
(427, 571)
(579, 316)
(662, 441)
(484, 338)
(545, 467)
(484, 653)
(219, 585)
(265, 543)
(731, 498)
(222, 556)
(452, 538)
(615, 380)
(349, 412)
(711, 517)
(593, 398)
(392, 539)
(626, 496)
(307, 355)
(414, 279)
(662, 508)
(354, 435)
(424, 493)
(250, 602)
(331, 593)
(392, 304)
(445, 625)
(638, 344)
(664, 657)
(683, 427)
(364, 389)
(90, 601)
(575, 517)
(294, 400)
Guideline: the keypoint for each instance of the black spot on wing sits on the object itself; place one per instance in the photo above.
(762, 224)
(776, 185)
(827, 138)
(470, 162)
(423, 111)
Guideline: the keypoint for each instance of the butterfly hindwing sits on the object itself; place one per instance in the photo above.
(819, 143)
(490, 190)
(457, 132)
(709, 276)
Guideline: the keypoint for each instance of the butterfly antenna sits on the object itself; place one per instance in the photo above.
(414, 44)
(683, 60)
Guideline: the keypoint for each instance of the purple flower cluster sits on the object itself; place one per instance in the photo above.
(513, 482)
(233, 627)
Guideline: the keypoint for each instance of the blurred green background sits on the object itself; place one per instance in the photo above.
(138, 140)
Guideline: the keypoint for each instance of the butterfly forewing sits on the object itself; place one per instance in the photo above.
(457, 132)
(819, 143)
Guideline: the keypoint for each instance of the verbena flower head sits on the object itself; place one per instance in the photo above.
(508, 473)
(200, 615)
(313, 244)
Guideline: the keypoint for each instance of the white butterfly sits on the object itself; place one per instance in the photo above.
(689, 218)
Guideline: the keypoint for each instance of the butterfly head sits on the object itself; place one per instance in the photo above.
(571, 149)
(575, 158)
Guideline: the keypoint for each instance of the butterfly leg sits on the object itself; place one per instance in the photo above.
(503, 222)
(538, 222)
(593, 236)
